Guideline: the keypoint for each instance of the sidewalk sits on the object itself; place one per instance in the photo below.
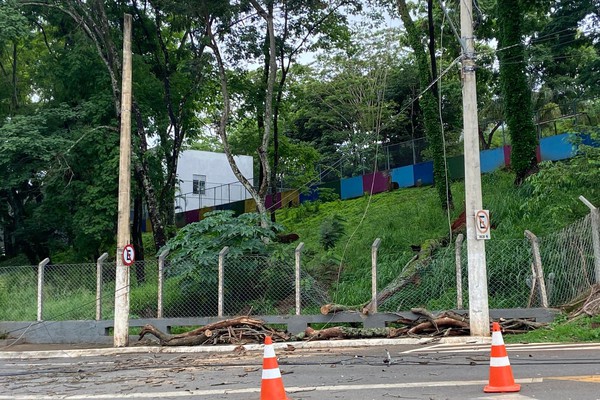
(31, 351)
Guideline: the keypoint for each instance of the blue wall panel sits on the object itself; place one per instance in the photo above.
(557, 147)
(352, 187)
(491, 160)
(586, 139)
(311, 195)
(404, 176)
(423, 173)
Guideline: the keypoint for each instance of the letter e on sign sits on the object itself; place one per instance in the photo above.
(482, 224)
(128, 255)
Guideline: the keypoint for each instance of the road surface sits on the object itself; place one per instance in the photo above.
(433, 371)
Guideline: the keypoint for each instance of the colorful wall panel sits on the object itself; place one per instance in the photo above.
(404, 176)
(352, 187)
(192, 216)
(180, 220)
(557, 147)
(335, 186)
(290, 198)
(269, 201)
(507, 149)
(424, 173)
(204, 210)
(456, 167)
(491, 160)
(587, 140)
(249, 205)
(237, 207)
(311, 195)
(376, 183)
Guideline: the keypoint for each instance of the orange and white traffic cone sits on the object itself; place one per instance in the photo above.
(272, 384)
(501, 377)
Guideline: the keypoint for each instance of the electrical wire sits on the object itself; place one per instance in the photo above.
(447, 181)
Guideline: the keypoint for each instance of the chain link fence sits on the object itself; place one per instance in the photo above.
(259, 285)
(566, 262)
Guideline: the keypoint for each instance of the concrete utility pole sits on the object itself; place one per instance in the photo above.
(478, 294)
(121, 329)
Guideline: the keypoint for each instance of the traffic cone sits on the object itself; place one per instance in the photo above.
(501, 377)
(272, 384)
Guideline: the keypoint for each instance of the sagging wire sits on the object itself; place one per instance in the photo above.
(449, 218)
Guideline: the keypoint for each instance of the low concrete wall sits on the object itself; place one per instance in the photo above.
(99, 332)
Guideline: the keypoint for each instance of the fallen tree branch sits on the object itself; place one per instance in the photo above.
(444, 321)
(409, 274)
(234, 330)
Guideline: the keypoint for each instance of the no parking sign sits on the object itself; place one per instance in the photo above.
(482, 224)
(128, 255)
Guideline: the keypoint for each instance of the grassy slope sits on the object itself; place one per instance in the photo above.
(409, 217)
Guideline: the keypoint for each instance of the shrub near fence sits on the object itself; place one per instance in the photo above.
(258, 285)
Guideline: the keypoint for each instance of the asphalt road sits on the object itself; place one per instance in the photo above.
(392, 371)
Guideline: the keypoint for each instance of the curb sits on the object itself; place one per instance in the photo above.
(112, 351)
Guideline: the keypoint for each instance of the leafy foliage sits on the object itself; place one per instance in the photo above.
(201, 242)
(332, 229)
(555, 189)
(194, 254)
(515, 89)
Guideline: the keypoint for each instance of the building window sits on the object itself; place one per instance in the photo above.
(199, 184)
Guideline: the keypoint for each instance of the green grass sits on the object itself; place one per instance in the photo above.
(584, 329)
(408, 217)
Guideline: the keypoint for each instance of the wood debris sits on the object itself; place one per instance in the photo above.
(243, 330)
(239, 330)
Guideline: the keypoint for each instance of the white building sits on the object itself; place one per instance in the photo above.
(206, 179)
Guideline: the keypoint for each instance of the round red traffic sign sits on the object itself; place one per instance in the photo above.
(482, 221)
(128, 255)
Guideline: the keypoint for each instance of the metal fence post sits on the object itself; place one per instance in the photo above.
(222, 255)
(595, 219)
(99, 263)
(537, 263)
(458, 254)
(161, 277)
(297, 253)
(374, 248)
(40, 293)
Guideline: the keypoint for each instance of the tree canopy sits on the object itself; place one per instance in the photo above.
(303, 86)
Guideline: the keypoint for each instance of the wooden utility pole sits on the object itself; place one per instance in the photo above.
(121, 328)
(478, 292)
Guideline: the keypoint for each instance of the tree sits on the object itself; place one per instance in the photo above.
(169, 43)
(343, 107)
(515, 89)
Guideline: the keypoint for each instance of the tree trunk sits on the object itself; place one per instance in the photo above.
(136, 235)
(516, 93)
(408, 275)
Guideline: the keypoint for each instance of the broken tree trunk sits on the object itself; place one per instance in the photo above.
(343, 332)
(436, 323)
(408, 275)
(243, 325)
(333, 308)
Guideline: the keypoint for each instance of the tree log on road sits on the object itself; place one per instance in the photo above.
(231, 331)
(344, 332)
